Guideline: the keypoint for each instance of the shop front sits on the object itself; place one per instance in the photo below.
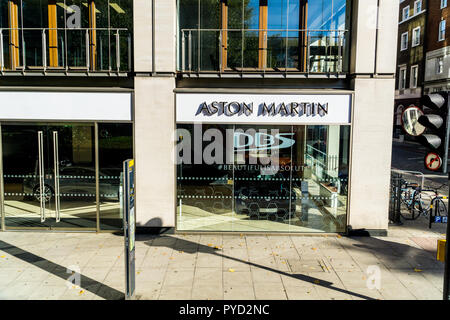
(263, 162)
(61, 159)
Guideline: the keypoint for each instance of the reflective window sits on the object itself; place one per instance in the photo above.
(263, 178)
(274, 35)
(67, 34)
(115, 143)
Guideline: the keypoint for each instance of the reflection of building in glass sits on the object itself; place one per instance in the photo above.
(243, 35)
(100, 81)
(411, 121)
(304, 189)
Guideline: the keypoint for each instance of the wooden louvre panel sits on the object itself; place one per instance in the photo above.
(303, 36)
(13, 13)
(52, 34)
(262, 56)
(224, 27)
(92, 35)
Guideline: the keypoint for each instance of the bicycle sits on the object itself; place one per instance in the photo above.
(420, 202)
(411, 197)
(435, 204)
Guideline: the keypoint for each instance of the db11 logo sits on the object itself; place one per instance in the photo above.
(262, 141)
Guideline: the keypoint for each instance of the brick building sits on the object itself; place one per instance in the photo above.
(437, 76)
(410, 57)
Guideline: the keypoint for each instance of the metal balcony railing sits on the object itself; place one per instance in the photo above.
(64, 49)
(258, 50)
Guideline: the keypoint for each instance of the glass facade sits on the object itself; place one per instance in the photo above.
(115, 142)
(270, 35)
(262, 178)
(50, 174)
(68, 34)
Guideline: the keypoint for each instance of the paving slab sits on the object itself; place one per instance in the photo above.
(34, 265)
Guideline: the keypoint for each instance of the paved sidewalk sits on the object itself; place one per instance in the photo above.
(34, 266)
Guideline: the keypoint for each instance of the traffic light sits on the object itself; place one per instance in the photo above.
(436, 136)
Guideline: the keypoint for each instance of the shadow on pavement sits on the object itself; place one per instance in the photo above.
(86, 283)
(394, 252)
(194, 247)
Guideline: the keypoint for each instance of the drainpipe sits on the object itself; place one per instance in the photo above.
(153, 39)
(376, 38)
(425, 48)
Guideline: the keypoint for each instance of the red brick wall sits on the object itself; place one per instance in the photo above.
(435, 15)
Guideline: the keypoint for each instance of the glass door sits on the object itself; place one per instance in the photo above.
(49, 176)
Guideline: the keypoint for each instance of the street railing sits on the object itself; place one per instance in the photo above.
(82, 49)
(250, 50)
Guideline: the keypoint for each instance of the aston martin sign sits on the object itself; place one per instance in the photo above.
(263, 108)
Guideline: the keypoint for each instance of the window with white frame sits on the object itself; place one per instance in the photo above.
(414, 76)
(439, 65)
(415, 37)
(417, 6)
(442, 26)
(443, 4)
(405, 13)
(402, 78)
(404, 41)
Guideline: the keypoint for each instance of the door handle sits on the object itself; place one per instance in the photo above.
(56, 175)
(41, 173)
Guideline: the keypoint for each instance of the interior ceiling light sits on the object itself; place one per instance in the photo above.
(116, 7)
(62, 5)
(86, 5)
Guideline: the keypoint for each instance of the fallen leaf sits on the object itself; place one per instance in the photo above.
(339, 236)
(417, 270)
(231, 270)
(314, 249)
(316, 281)
(210, 245)
(2, 256)
(81, 292)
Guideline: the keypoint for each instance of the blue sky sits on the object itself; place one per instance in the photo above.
(319, 14)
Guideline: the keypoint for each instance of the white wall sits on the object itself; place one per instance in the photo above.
(387, 36)
(373, 63)
(155, 167)
(165, 35)
(371, 153)
(374, 36)
(142, 18)
(363, 36)
(164, 53)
